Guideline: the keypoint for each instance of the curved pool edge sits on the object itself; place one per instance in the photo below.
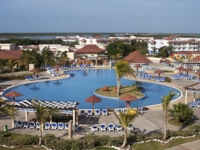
(181, 93)
(41, 80)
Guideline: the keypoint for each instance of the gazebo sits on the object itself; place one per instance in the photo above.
(137, 58)
(195, 88)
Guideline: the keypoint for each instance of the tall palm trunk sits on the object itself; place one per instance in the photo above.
(118, 85)
(40, 138)
(165, 131)
(13, 113)
(125, 137)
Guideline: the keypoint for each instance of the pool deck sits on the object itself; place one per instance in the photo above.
(151, 121)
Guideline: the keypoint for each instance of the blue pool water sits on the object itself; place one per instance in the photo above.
(82, 85)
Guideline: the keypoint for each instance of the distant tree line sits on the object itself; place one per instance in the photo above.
(118, 49)
(27, 41)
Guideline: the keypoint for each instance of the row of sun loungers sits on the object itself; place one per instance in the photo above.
(97, 112)
(182, 76)
(110, 127)
(47, 125)
(118, 111)
(58, 105)
(31, 78)
(150, 77)
(54, 104)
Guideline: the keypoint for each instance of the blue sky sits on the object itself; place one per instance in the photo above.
(148, 16)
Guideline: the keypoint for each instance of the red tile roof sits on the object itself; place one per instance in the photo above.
(137, 57)
(196, 59)
(14, 54)
(90, 49)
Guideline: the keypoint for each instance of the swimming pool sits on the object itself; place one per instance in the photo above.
(83, 83)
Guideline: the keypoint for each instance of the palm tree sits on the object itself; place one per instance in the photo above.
(125, 119)
(47, 56)
(165, 104)
(5, 108)
(41, 113)
(122, 68)
(181, 114)
(64, 57)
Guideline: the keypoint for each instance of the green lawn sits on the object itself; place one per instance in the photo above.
(23, 148)
(161, 146)
(132, 90)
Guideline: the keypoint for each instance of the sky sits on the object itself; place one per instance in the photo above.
(100, 16)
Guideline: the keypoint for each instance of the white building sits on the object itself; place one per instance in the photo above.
(7, 46)
(179, 44)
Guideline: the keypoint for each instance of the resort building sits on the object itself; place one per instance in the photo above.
(91, 54)
(7, 46)
(179, 44)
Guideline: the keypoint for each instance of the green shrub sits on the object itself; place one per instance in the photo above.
(116, 141)
(63, 144)
(14, 77)
(47, 140)
(167, 79)
(195, 127)
(91, 141)
(77, 144)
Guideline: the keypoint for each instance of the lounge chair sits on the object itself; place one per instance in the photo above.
(27, 78)
(89, 112)
(97, 112)
(140, 109)
(130, 127)
(195, 104)
(26, 124)
(94, 128)
(19, 124)
(32, 125)
(54, 126)
(37, 77)
(104, 112)
(15, 123)
(66, 126)
(82, 113)
(37, 125)
(118, 128)
(60, 126)
(111, 127)
(47, 126)
(102, 127)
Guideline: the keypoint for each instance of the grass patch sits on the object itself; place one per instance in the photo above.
(104, 148)
(168, 71)
(23, 148)
(133, 90)
(161, 146)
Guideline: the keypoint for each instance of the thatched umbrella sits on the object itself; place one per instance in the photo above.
(13, 94)
(56, 67)
(187, 70)
(159, 72)
(180, 68)
(128, 98)
(137, 66)
(93, 99)
(34, 71)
